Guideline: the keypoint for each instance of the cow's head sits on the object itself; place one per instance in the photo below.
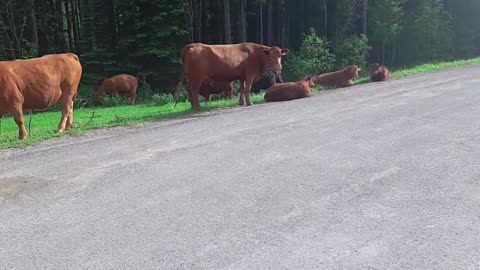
(308, 81)
(374, 67)
(354, 71)
(273, 58)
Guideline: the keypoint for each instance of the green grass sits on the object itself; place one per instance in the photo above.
(426, 68)
(44, 124)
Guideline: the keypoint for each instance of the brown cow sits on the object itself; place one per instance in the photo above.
(379, 73)
(289, 91)
(243, 62)
(210, 87)
(123, 84)
(342, 78)
(36, 84)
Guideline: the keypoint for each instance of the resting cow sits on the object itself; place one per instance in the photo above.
(244, 62)
(379, 73)
(342, 78)
(269, 78)
(210, 87)
(123, 85)
(289, 91)
(38, 83)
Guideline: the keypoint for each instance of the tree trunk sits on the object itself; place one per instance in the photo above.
(226, 15)
(243, 21)
(60, 27)
(199, 39)
(394, 45)
(34, 24)
(325, 17)
(364, 16)
(270, 23)
(260, 23)
(71, 43)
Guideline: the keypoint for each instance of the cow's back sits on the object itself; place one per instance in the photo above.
(220, 62)
(285, 91)
(122, 83)
(39, 81)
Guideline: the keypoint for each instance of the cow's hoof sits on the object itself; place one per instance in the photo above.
(22, 138)
(59, 131)
(249, 103)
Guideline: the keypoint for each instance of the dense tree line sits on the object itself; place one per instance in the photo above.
(145, 37)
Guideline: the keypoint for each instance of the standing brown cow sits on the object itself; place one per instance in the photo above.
(379, 73)
(342, 78)
(123, 84)
(36, 84)
(243, 62)
(289, 91)
(210, 87)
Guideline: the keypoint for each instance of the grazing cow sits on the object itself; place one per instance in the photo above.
(38, 83)
(244, 62)
(289, 91)
(123, 84)
(342, 78)
(210, 87)
(379, 73)
(269, 78)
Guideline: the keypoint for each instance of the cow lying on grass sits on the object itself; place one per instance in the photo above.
(210, 87)
(379, 73)
(342, 78)
(269, 78)
(123, 85)
(244, 62)
(38, 83)
(289, 91)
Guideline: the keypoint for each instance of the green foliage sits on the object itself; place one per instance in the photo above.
(352, 51)
(433, 32)
(115, 101)
(162, 99)
(313, 58)
(386, 20)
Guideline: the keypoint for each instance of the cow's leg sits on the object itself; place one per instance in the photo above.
(248, 88)
(228, 93)
(67, 114)
(133, 96)
(242, 92)
(17, 113)
(194, 90)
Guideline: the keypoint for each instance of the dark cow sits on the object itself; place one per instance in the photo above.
(269, 78)
(379, 73)
(342, 78)
(210, 87)
(244, 62)
(289, 91)
(123, 85)
(38, 83)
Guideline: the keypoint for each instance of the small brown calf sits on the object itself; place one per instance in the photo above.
(210, 87)
(341, 78)
(290, 91)
(123, 84)
(379, 73)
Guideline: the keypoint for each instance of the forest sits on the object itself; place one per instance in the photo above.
(145, 37)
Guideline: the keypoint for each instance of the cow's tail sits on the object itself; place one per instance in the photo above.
(178, 90)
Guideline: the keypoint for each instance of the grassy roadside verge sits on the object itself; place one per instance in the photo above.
(427, 68)
(44, 124)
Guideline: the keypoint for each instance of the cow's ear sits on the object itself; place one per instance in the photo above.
(266, 51)
(285, 52)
